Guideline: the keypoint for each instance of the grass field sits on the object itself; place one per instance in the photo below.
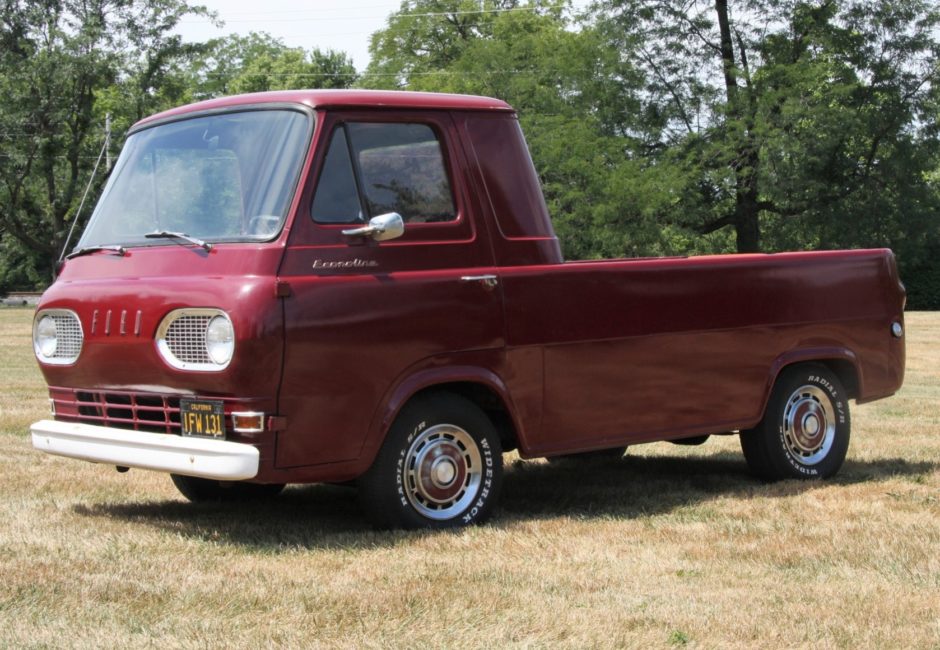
(670, 547)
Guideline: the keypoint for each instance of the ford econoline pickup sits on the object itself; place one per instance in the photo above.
(363, 286)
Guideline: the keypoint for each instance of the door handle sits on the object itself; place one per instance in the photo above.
(488, 281)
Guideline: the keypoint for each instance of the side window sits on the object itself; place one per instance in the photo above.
(399, 167)
(337, 199)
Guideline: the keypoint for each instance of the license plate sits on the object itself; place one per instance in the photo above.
(204, 418)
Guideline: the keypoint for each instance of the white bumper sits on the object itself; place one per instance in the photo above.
(203, 457)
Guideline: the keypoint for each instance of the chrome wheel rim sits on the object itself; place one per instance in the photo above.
(809, 425)
(443, 471)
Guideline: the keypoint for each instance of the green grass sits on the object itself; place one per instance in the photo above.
(670, 547)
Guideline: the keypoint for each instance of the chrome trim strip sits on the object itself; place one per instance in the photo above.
(488, 280)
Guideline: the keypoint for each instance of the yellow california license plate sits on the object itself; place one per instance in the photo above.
(204, 418)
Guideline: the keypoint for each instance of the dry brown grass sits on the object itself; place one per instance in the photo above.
(672, 546)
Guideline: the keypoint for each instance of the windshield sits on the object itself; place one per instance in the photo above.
(220, 178)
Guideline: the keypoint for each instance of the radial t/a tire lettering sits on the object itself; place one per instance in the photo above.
(806, 427)
(439, 467)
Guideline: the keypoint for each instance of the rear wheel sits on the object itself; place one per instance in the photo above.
(806, 427)
(199, 490)
(440, 467)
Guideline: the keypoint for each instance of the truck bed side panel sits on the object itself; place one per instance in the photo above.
(647, 349)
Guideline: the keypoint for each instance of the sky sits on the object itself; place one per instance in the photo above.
(343, 25)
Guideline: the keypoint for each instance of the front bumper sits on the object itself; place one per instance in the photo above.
(202, 457)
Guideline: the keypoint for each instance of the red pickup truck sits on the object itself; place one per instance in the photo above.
(336, 286)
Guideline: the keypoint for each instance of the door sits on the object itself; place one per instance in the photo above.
(362, 315)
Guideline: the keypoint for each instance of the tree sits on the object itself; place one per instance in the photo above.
(694, 126)
(66, 64)
(295, 68)
(258, 62)
(425, 36)
(211, 74)
(787, 110)
(57, 57)
(575, 98)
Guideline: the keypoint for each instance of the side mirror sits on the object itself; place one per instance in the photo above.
(380, 228)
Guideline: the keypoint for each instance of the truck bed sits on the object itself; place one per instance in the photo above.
(643, 349)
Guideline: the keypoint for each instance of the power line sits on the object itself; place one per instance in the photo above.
(359, 16)
(8, 156)
(294, 11)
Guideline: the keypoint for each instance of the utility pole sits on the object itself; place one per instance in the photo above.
(107, 141)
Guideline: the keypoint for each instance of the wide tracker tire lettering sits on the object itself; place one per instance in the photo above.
(439, 467)
(805, 430)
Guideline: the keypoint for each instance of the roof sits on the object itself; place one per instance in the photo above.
(342, 99)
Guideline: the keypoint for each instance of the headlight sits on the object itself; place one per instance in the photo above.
(57, 336)
(220, 340)
(46, 337)
(196, 339)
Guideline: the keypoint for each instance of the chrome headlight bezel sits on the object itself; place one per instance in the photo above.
(182, 339)
(58, 337)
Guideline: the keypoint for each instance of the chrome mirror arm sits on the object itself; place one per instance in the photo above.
(380, 228)
(364, 231)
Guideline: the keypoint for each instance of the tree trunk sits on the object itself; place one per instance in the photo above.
(741, 118)
(746, 223)
(727, 52)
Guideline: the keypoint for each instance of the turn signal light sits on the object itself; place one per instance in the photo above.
(249, 422)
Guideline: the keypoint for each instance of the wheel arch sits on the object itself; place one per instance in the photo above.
(481, 386)
(839, 360)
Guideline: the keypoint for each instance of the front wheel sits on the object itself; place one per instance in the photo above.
(199, 490)
(806, 427)
(440, 467)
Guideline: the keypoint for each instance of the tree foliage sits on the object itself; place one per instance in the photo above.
(58, 57)
(425, 37)
(788, 109)
(259, 62)
(662, 127)
(66, 64)
(690, 126)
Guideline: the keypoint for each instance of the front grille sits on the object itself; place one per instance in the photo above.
(186, 338)
(135, 411)
(68, 334)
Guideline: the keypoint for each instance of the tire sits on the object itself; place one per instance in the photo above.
(694, 441)
(200, 490)
(440, 466)
(806, 427)
(599, 456)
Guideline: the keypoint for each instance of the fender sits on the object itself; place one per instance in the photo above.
(413, 381)
(804, 355)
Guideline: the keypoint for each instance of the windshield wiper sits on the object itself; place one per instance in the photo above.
(114, 248)
(167, 234)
